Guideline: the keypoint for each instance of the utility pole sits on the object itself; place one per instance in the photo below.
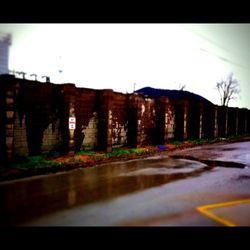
(60, 69)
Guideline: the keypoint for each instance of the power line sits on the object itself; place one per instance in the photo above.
(211, 41)
(220, 47)
(224, 58)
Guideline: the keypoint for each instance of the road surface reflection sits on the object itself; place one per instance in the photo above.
(41, 195)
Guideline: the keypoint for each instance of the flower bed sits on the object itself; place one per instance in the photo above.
(53, 162)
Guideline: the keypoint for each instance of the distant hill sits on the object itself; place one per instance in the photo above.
(172, 94)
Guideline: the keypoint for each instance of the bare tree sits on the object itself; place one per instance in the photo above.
(228, 89)
(182, 87)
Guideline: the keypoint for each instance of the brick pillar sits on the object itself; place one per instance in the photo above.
(71, 128)
(236, 121)
(186, 120)
(242, 127)
(232, 120)
(226, 122)
(105, 120)
(9, 127)
(248, 121)
(2, 122)
(245, 118)
(178, 121)
(222, 121)
(134, 120)
(201, 117)
(162, 120)
(10, 90)
(240, 121)
(68, 134)
(181, 110)
(209, 120)
(216, 130)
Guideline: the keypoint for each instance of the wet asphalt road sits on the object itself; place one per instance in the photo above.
(159, 191)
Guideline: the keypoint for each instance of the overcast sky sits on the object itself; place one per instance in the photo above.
(119, 56)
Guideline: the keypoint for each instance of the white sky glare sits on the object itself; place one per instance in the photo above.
(117, 56)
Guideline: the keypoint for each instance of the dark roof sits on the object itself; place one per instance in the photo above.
(172, 94)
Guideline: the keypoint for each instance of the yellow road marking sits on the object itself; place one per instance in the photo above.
(203, 210)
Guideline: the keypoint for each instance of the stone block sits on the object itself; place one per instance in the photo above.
(9, 114)
(9, 141)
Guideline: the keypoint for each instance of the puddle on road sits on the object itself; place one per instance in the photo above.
(212, 163)
(221, 149)
(64, 190)
(186, 166)
(228, 149)
(243, 177)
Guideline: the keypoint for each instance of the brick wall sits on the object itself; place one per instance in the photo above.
(170, 117)
(147, 122)
(232, 121)
(119, 119)
(86, 117)
(248, 121)
(210, 125)
(90, 133)
(34, 118)
(20, 137)
(181, 119)
(2, 120)
(222, 119)
(52, 137)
